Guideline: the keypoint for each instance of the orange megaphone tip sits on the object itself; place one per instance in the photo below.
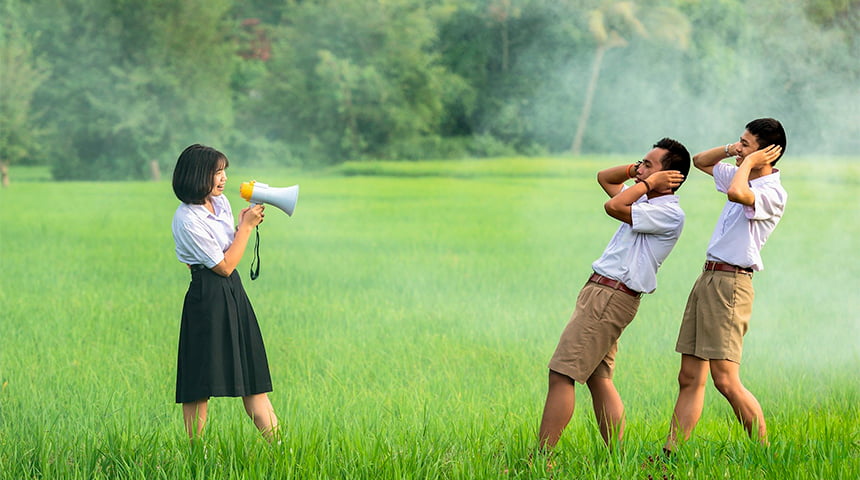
(246, 189)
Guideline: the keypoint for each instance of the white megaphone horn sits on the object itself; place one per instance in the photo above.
(283, 198)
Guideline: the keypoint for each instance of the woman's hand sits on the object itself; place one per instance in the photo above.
(249, 218)
(252, 216)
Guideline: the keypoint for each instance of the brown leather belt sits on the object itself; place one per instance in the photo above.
(616, 284)
(727, 267)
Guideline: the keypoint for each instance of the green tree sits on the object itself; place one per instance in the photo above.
(174, 87)
(21, 74)
(843, 14)
(133, 82)
(352, 80)
(511, 54)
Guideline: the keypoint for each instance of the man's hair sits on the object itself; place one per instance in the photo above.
(194, 175)
(676, 158)
(768, 131)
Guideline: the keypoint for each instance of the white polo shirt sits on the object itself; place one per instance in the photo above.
(202, 237)
(742, 230)
(636, 251)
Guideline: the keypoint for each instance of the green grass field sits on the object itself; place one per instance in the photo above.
(409, 311)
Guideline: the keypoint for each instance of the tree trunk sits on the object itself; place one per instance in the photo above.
(4, 174)
(505, 46)
(154, 170)
(351, 123)
(576, 147)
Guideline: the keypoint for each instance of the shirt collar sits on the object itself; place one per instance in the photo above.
(773, 177)
(662, 199)
(202, 211)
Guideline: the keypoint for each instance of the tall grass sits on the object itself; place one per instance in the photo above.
(409, 311)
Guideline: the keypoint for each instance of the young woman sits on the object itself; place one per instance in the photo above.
(221, 352)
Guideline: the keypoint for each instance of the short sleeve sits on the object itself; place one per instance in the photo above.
(199, 242)
(655, 219)
(723, 174)
(769, 203)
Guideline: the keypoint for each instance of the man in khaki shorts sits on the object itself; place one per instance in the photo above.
(720, 304)
(651, 222)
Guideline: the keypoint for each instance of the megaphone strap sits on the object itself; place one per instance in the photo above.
(255, 262)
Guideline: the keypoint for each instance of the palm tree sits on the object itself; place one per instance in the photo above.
(611, 25)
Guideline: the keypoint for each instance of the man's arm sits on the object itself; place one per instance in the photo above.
(739, 190)
(613, 178)
(620, 207)
(706, 160)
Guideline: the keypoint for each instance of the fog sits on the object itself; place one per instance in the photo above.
(644, 94)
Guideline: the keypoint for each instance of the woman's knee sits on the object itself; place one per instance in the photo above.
(256, 404)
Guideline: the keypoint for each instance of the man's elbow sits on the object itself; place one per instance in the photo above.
(700, 163)
(610, 208)
(601, 180)
(618, 212)
(737, 195)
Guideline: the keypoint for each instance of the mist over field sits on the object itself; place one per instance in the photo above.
(704, 97)
(824, 331)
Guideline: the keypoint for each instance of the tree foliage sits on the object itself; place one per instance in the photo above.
(22, 73)
(132, 81)
(101, 88)
(353, 80)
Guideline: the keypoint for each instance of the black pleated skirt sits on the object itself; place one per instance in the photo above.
(221, 352)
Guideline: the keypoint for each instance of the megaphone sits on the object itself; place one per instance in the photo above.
(283, 198)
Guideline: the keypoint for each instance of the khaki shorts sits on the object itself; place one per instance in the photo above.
(717, 316)
(590, 340)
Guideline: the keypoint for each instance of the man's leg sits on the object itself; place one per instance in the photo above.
(691, 399)
(560, 400)
(608, 408)
(726, 375)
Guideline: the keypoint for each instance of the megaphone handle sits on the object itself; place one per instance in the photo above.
(255, 262)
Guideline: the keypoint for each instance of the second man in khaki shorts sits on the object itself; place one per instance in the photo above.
(720, 304)
(726, 295)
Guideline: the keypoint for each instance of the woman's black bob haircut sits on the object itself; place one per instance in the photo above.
(194, 175)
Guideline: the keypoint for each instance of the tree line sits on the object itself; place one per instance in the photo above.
(105, 89)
